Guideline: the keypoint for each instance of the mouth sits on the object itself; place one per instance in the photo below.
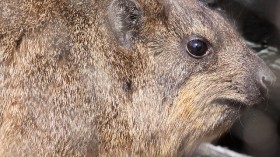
(233, 103)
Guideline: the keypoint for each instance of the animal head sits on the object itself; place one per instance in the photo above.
(201, 75)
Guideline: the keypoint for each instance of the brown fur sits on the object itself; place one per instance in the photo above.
(69, 88)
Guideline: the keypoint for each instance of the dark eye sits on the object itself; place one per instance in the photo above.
(197, 47)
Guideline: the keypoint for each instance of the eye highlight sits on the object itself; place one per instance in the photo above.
(197, 47)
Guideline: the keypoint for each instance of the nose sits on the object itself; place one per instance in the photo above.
(266, 78)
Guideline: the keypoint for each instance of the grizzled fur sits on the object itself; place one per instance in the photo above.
(113, 78)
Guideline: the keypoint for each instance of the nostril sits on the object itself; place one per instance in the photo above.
(267, 80)
(263, 85)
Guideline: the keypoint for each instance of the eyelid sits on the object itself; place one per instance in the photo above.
(195, 37)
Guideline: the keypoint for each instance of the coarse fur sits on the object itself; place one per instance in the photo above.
(113, 78)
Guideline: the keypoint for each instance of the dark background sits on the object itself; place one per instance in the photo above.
(257, 132)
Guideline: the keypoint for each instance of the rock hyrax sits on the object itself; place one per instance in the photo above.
(120, 77)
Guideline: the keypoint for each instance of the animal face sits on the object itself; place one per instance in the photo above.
(201, 74)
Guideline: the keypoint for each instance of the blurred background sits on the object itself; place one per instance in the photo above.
(257, 132)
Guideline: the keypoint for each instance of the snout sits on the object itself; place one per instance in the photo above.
(251, 87)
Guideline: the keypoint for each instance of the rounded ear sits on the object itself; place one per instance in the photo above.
(125, 21)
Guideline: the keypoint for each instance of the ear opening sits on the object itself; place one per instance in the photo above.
(125, 21)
